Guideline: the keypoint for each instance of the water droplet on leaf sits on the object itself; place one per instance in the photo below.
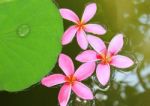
(23, 30)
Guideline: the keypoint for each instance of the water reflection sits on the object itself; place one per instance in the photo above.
(79, 102)
(126, 86)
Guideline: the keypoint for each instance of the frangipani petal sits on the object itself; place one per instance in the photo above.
(66, 64)
(103, 73)
(69, 35)
(87, 56)
(82, 91)
(69, 15)
(97, 44)
(64, 95)
(81, 39)
(53, 80)
(115, 44)
(95, 29)
(120, 61)
(89, 12)
(85, 71)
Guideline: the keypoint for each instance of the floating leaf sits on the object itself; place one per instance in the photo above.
(30, 34)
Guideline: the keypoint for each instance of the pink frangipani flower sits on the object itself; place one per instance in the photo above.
(80, 26)
(105, 57)
(72, 80)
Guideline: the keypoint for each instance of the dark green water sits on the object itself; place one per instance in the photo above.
(129, 87)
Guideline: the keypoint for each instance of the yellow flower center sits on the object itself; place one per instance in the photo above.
(80, 25)
(105, 59)
(70, 79)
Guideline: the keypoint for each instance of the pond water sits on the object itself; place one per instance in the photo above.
(129, 87)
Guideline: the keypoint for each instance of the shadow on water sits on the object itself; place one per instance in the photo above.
(129, 87)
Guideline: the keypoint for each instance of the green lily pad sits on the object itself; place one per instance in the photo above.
(30, 34)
